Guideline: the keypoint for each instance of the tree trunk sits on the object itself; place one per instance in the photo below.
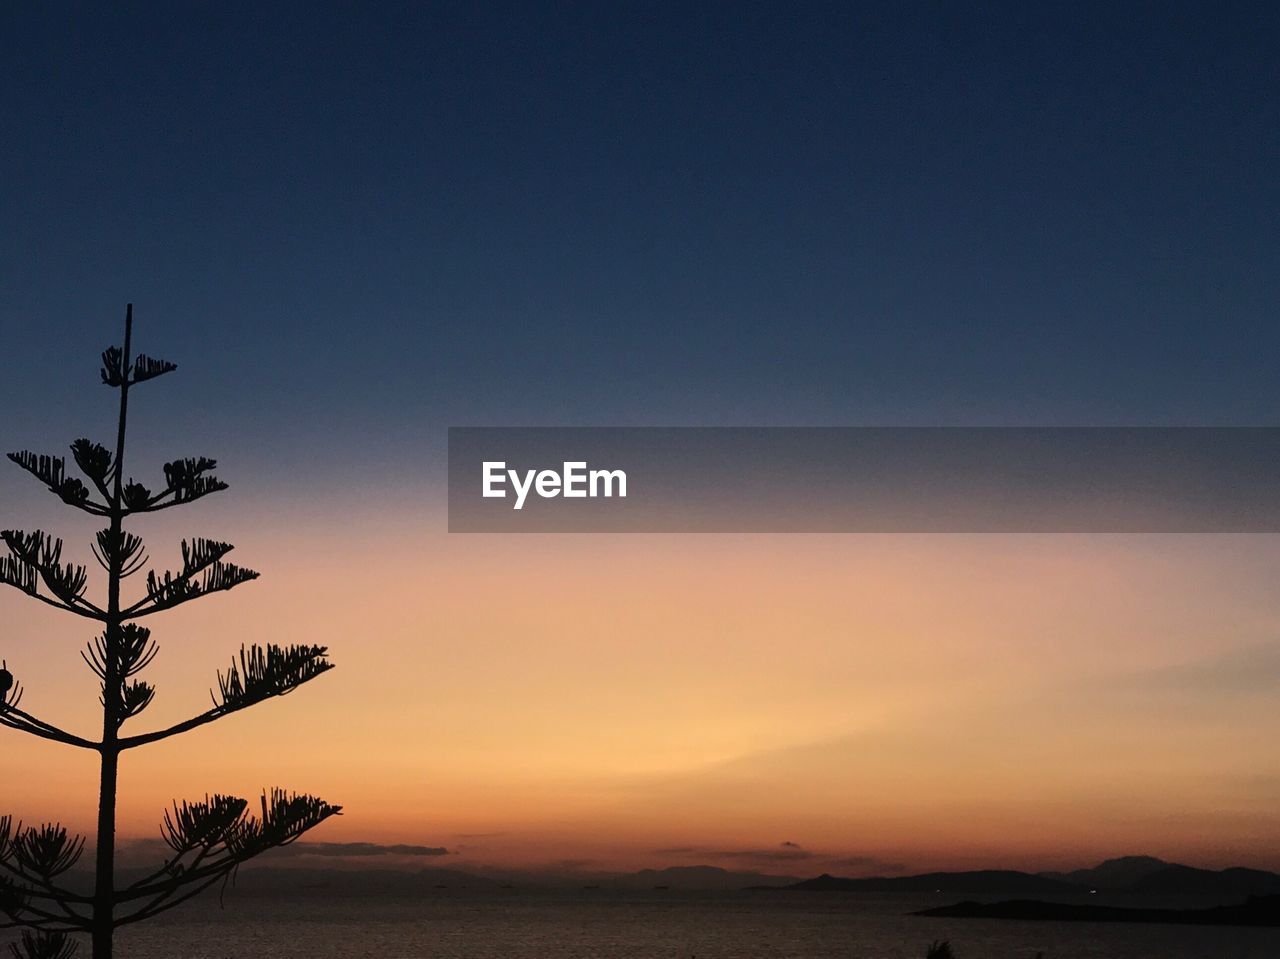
(104, 888)
(104, 885)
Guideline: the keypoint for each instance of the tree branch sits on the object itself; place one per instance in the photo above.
(46, 890)
(45, 924)
(186, 481)
(89, 612)
(158, 904)
(143, 739)
(79, 605)
(25, 722)
(199, 556)
(261, 674)
(170, 592)
(156, 886)
(36, 557)
(285, 818)
(172, 869)
(52, 472)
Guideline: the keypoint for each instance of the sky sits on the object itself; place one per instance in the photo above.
(353, 227)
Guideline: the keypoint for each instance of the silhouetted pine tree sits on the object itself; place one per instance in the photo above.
(210, 837)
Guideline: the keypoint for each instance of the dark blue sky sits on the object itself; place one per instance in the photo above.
(365, 223)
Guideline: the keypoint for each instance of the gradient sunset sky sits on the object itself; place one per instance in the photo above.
(354, 228)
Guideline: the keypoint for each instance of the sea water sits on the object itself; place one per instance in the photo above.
(601, 924)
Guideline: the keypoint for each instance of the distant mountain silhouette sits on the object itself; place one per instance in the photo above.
(1227, 882)
(1148, 875)
(1143, 875)
(983, 880)
(1136, 875)
(1259, 911)
(1117, 873)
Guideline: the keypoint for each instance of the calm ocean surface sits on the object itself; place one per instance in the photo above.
(609, 925)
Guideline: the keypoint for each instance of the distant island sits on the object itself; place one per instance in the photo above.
(1128, 876)
(1134, 875)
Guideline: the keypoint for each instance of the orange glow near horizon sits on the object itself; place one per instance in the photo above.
(879, 702)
